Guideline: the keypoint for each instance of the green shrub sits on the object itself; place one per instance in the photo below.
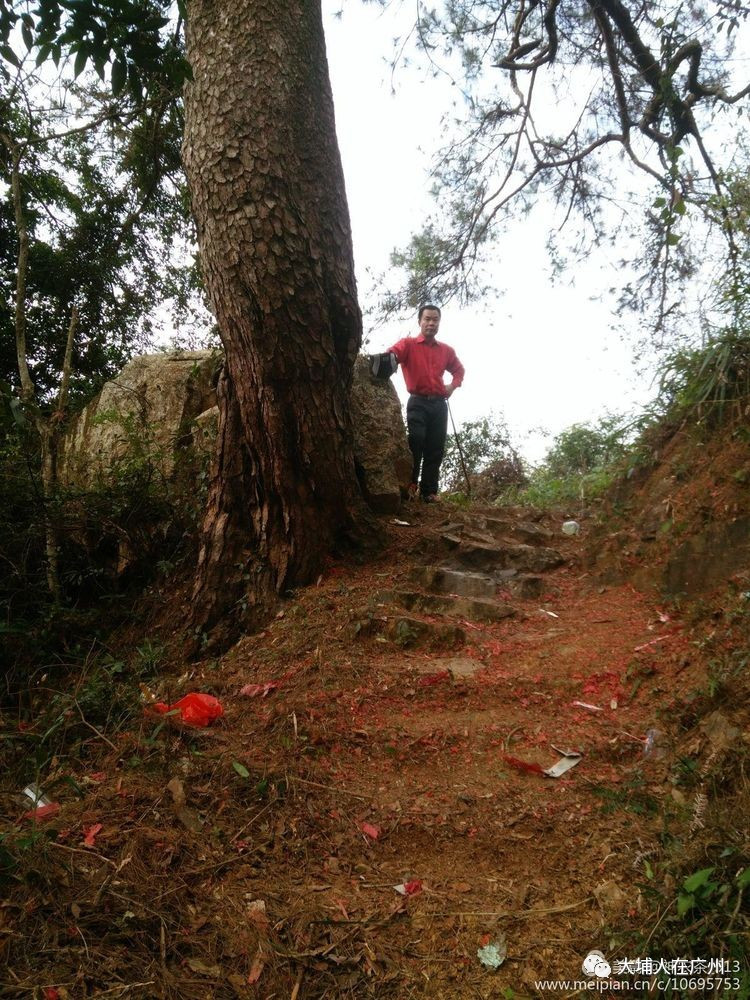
(711, 382)
(581, 465)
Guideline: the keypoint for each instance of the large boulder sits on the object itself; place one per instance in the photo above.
(162, 409)
(145, 414)
(380, 447)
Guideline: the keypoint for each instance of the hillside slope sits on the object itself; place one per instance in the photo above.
(370, 817)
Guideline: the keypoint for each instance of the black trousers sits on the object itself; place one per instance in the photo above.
(427, 424)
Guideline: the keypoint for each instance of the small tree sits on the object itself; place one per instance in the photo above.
(580, 464)
(581, 448)
(489, 458)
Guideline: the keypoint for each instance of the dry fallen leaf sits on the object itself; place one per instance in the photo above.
(177, 790)
(256, 969)
(202, 969)
(187, 816)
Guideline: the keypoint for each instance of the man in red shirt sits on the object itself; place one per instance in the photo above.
(423, 361)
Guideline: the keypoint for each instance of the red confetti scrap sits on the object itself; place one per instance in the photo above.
(369, 830)
(412, 887)
(89, 834)
(256, 690)
(436, 678)
(43, 812)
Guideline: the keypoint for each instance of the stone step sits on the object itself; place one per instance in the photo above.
(474, 609)
(524, 531)
(408, 632)
(528, 514)
(440, 580)
(411, 632)
(481, 556)
(460, 667)
(526, 585)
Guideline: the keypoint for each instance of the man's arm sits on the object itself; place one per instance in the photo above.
(457, 370)
(401, 350)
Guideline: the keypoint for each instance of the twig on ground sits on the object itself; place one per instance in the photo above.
(297, 985)
(78, 850)
(93, 729)
(510, 736)
(521, 915)
(328, 788)
(658, 922)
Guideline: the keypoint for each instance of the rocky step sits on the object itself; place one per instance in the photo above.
(464, 583)
(526, 585)
(459, 667)
(516, 513)
(524, 531)
(472, 608)
(408, 632)
(441, 580)
(482, 556)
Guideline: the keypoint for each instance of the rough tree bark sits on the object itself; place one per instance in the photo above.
(268, 195)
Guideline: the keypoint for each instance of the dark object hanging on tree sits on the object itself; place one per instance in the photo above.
(383, 365)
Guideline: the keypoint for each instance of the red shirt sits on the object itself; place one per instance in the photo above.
(423, 363)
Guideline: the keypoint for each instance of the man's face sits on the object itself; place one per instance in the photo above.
(429, 323)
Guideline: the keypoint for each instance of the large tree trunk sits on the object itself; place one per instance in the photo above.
(273, 228)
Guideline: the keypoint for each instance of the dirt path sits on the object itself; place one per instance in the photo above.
(383, 754)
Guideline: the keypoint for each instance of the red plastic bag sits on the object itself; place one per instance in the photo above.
(195, 709)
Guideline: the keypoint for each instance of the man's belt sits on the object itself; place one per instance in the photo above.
(418, 395)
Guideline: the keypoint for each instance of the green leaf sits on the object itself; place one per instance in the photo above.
(9, 55)
(659, 202)
(119, 75)
(240, 769)
(28, 37)
(697, 879)
(743, 879)
(134, 82)
(673, 239)
(684, 903)
(81, 60)
(649, 871)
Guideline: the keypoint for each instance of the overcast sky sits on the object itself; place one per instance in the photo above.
(545, 355)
